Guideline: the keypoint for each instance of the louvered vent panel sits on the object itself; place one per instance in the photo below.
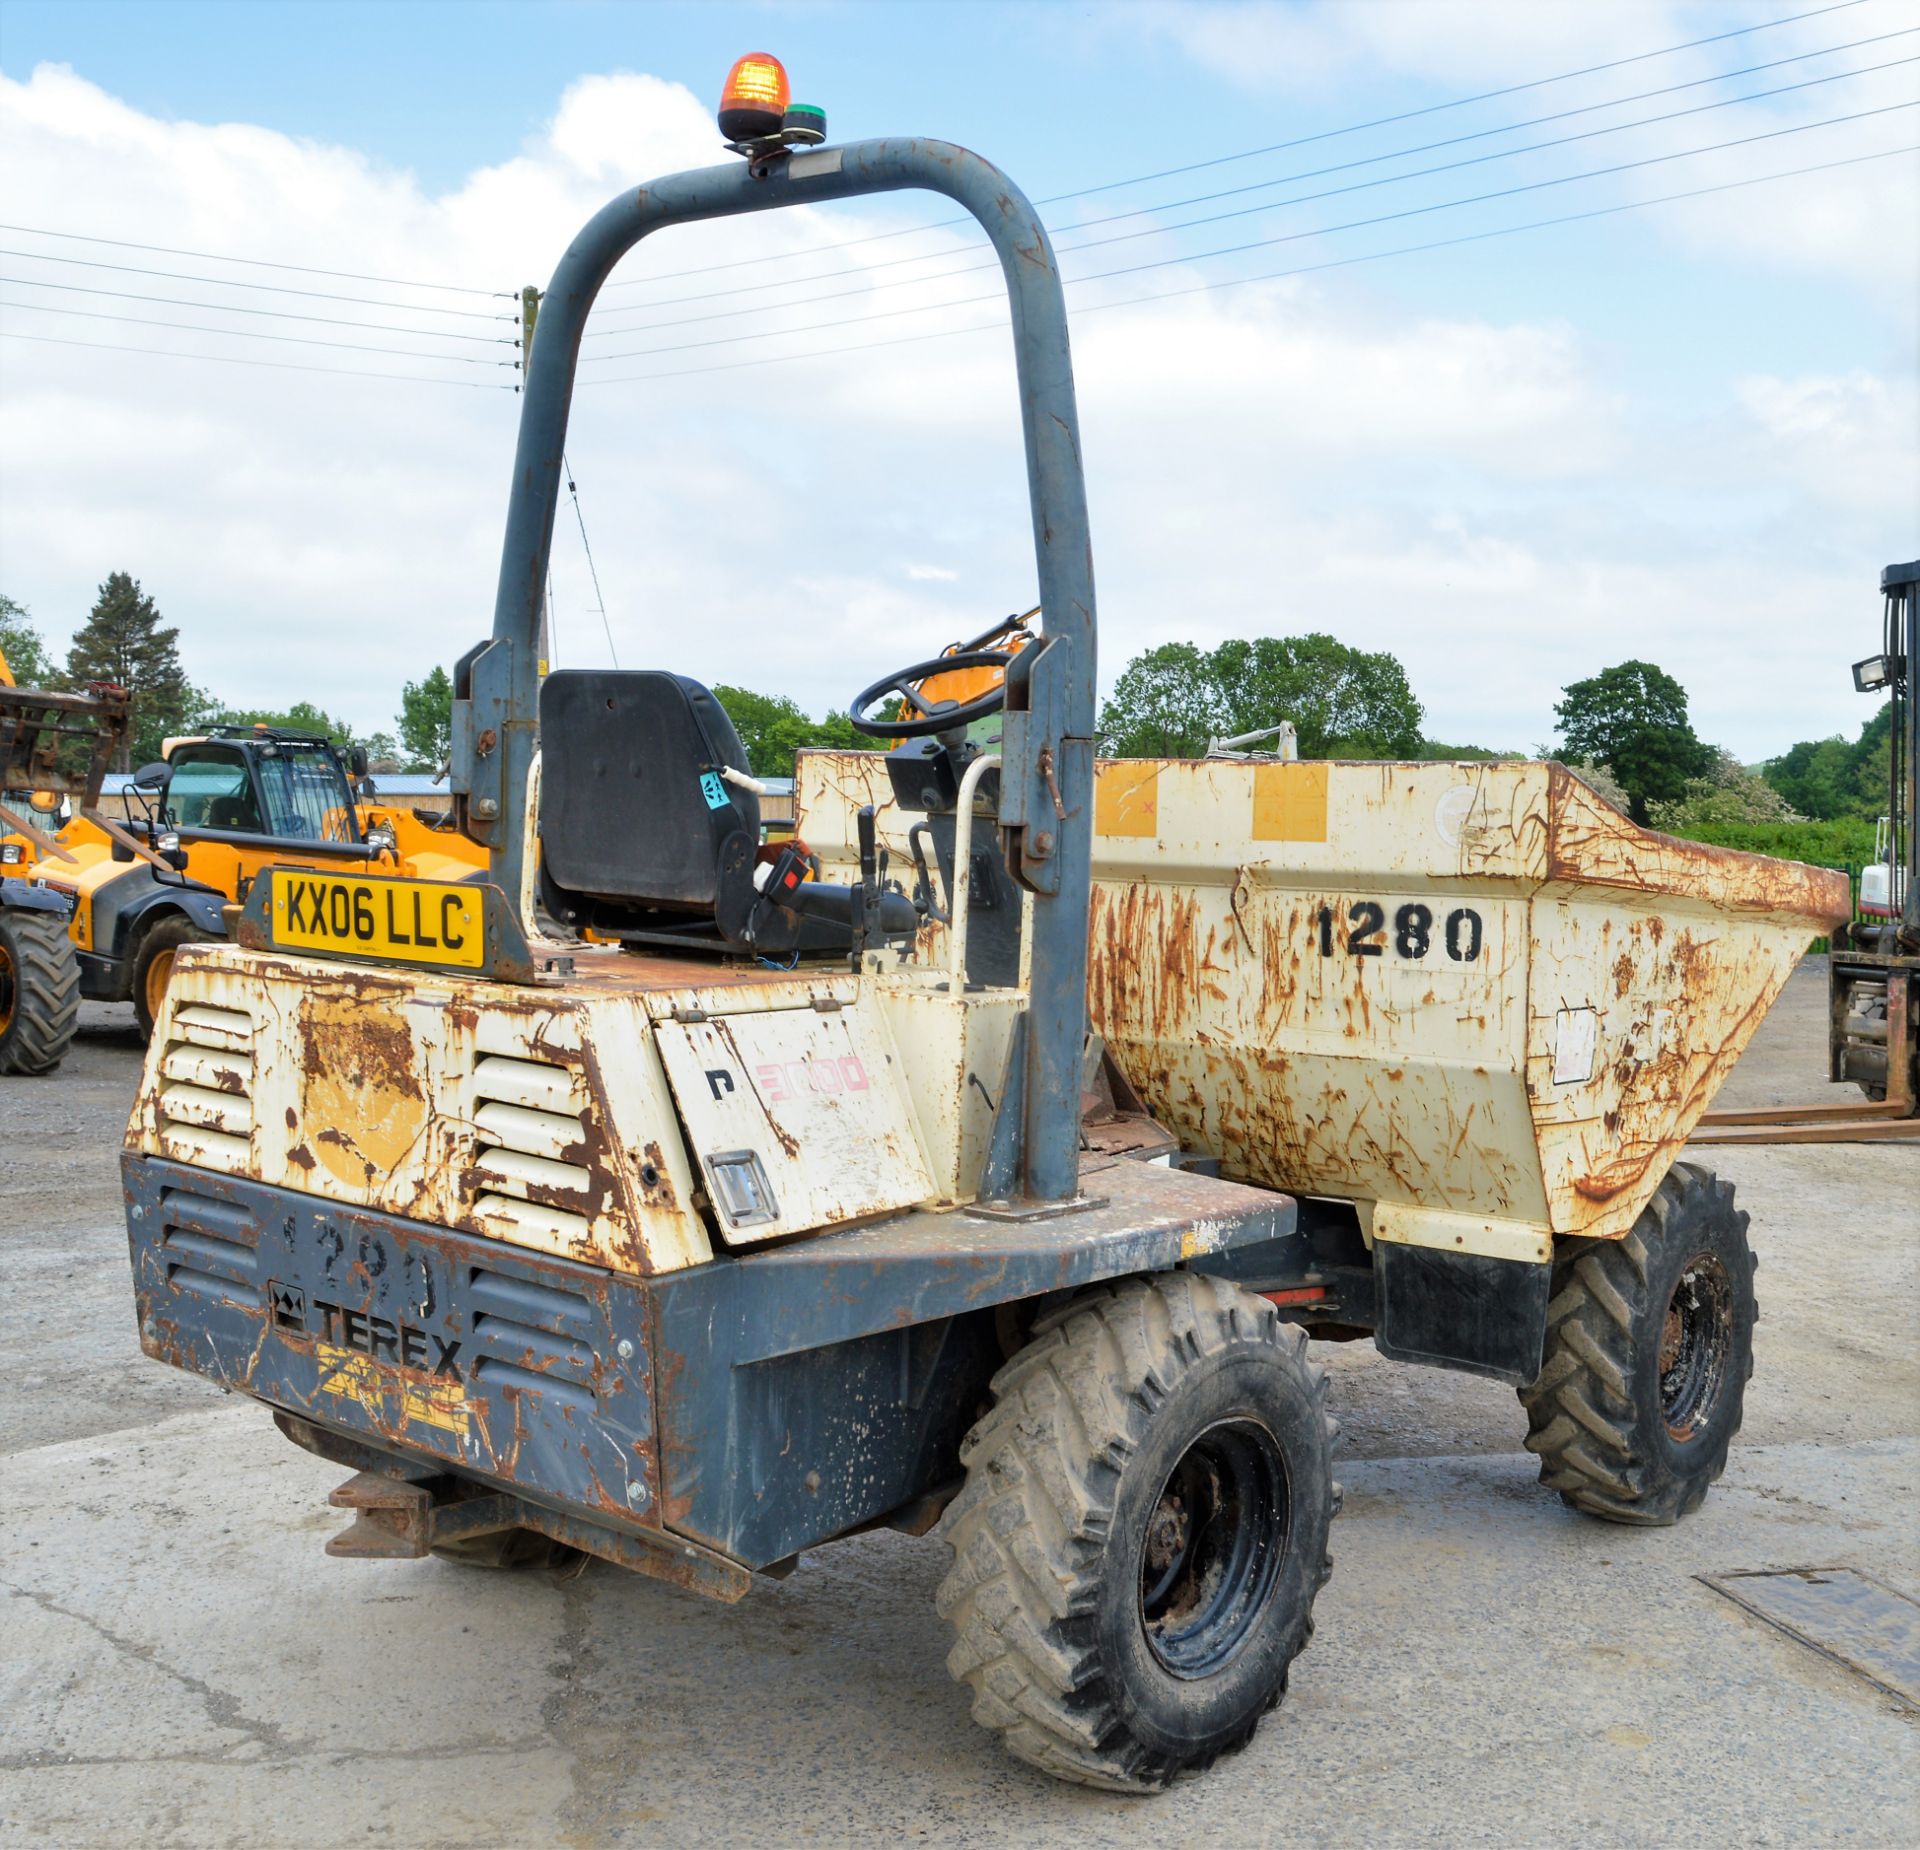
(529, 1122)
(206, 1087)
(209, 1247)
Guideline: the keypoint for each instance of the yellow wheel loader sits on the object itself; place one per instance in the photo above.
(217, 811)
(54, 747)
(980, 1157)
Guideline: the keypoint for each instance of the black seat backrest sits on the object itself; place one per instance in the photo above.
(634, 815)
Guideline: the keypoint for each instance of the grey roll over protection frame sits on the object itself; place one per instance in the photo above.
(1047, 751)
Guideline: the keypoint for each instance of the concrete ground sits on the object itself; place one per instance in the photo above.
(180, 1664)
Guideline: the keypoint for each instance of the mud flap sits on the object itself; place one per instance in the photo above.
(1464, 1311)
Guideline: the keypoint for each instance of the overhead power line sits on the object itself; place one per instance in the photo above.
(1268, 276)
(1234, 250)
(1258, 186)
(1277, 147)
(592, 570)
(1272, 205)
(278, 366)
(221, 282)
(258, 263)
(239, 308)
(298, 340)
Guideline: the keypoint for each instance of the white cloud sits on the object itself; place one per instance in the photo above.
(1477, 493)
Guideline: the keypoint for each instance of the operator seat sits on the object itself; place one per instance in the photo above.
(640, 834)
(643, 838)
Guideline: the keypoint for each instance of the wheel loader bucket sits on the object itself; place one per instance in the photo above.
(1474, 999)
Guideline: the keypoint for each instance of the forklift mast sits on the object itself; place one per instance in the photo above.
(1046, 781)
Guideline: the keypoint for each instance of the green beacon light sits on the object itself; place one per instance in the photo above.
(803, 126)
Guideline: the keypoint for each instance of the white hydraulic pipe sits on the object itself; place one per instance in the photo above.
(963, 865)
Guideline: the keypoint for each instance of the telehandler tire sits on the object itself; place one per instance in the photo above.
(153, 965)
(39, 990)
(1142, 1531)
(1649, 1350)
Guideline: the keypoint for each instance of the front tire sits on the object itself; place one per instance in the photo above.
(1142, 1531)
(1649, 1350)
(39, 990)
(153, 965)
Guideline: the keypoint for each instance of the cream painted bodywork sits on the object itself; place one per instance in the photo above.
(577, 1116)
(1487, 1104)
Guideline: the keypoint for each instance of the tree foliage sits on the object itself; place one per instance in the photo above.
(1343, 702)
(773, 728)
(1728, 794)
(426, 721)
(124, 641)
(1632, 718)
(302, 716)
(27, 658)
(1830, 779)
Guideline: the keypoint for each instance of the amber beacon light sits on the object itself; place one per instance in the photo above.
(757, 113)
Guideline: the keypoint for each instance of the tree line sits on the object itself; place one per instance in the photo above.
(125, 640)
(1627, 729)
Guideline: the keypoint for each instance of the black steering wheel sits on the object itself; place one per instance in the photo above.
(941, 715)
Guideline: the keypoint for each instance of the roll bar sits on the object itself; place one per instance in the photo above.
(1046, 785)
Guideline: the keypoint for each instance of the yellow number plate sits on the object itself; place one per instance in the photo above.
(412, 921)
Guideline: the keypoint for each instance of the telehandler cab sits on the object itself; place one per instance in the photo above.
(804, 1205)
(219, 808)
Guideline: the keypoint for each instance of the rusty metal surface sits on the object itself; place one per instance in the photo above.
(367, 1087)
(515, 1370)
(1473, 996)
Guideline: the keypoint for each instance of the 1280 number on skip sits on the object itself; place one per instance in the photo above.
(1366, 933)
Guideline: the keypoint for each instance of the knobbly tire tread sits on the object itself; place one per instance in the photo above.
(1586, 1417)
(1044, 1472)
(46, 1006)
(174, 931)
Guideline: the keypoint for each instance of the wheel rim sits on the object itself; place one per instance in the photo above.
(1696, 1338)
(6, 988)
(1215, 1538)
(157, 974)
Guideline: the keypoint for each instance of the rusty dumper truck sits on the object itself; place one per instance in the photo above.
(792, 1202)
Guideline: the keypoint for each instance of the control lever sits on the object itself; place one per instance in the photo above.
(867, 893)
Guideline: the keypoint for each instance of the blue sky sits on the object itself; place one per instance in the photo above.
(1574, 441)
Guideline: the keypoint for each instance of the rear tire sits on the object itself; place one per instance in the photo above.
(153, 965)
(39, 990)
(1649, 1350)
(1142, 1531)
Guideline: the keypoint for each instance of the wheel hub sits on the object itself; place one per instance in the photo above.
(1696, 1339)
(1212, 1548)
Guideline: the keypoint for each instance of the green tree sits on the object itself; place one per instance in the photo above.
(1343, 702)
(20, 643)
(124, 641)
(426, 721)
(1165, 705)
(1632, 718)
(1834, 779)
(1727, 794)
(773, 727)
(302, 716)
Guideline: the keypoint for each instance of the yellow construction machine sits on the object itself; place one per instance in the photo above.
(806, 1203)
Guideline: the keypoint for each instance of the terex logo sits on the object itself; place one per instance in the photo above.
(382, 1341)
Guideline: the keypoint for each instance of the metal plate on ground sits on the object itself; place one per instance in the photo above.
(1842, 1614)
